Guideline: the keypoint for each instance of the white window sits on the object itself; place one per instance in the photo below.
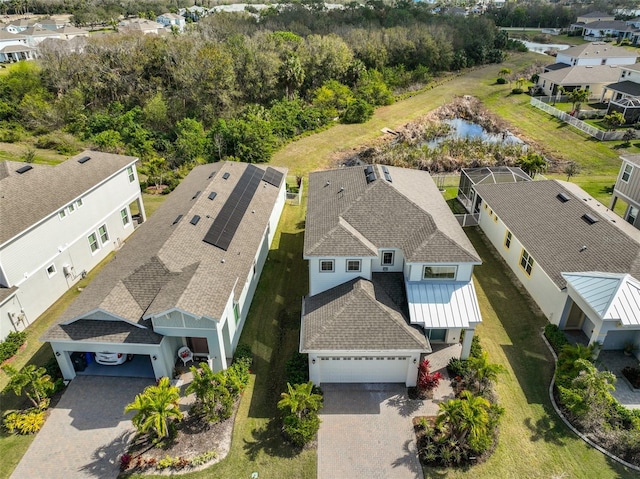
(440, 272)
(507, 240)
(124, 214)
(387, 258)
(626, 174)
(104, 234)
(51, 270)
(72, 208)
(79, 202)
(62, 213)
(132, 177)
(326, 266)
(353, 265)
(526, 262)
(93, 242)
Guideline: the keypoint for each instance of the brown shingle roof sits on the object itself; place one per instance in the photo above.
(27, 198)
(348, 217)
(357, 316)
(554, 232)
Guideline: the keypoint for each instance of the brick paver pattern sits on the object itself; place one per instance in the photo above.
(86, 432)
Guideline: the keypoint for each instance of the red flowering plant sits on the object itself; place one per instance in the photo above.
(427, 381)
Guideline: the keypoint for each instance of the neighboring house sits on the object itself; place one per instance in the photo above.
(592, 78)
(58, 222)
(69, 32)
(172, 20)
(140, 25)
(186, 278)
(51, 24)
(389, 275)
(470, 177)
(627, 189)
(577, 259)
(624, 95)
(596, 53)
(13, 47)
(36, 35)
(18, 26)
(610, 29)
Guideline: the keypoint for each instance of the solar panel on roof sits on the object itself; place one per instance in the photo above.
(195, 219)
(212, 195)
(368, 170)
(226, 176)
(387, 175)
(230, 216)
(273, 177)
(196, 195)
(84, 159)
(371, 177)
(24, 169)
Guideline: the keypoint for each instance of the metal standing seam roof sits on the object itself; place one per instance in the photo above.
(554, 232)
(357, 316)
(614, 297)
(443, 305)
(346, 216)
(167, 265)
(26, 199)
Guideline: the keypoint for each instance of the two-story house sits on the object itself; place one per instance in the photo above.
(389, 275)
(578, 260)
(627, 189)
(14, 47)
(170, 20)
(185, 279)
(57, 223)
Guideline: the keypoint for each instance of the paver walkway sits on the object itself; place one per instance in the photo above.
(367, 431)
(85, 433)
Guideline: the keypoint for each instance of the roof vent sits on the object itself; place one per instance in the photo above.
(370, 175)
(589, 218)
(226, 176)
(212, 195)
(178, 218)
(24, 169)
(196, 195)
(387, 175)
(194, 220)
(212, 175)
(84, 159)
(563, 197)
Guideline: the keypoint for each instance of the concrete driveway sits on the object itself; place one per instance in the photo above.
(366, 431)
(85, 433)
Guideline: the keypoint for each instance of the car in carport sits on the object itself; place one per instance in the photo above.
(112, 359)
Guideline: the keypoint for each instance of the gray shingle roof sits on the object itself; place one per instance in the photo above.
(164, 265)
(583, 74)
(635, 159)
(104, 331)
(627, 87)
(358, 316)
(28, 198)
(598, 49)
(348, 217)
(554, 232)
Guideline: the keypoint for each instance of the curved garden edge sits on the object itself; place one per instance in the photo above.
(566, 421)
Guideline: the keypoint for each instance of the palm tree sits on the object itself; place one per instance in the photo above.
(35, 382)
(300, 400)
(482, 372)
(157, 406)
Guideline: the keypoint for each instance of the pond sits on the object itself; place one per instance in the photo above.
(543, 47)
(462, 129)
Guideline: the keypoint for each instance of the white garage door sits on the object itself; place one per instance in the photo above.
(367, 369)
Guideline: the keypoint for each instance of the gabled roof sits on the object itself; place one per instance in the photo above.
(627, 87)
(346, 216)
(35, 31)
(634, 159)
(614, 297)
(17, 49)
(166, 265)
(618, 25)
(554, 232)
(597, 50)
(43, 190)
(357, 316)
(583, 74)
(4, 35)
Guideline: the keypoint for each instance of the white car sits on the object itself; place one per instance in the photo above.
(113, 359)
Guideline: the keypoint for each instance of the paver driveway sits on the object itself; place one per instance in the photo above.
(85, 433)
(366, 432)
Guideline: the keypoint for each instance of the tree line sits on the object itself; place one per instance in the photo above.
(237, 85)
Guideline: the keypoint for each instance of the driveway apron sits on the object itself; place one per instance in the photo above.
(85, 433)
(367, 431)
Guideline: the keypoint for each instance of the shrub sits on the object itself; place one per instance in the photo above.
(125, 460)
(457, 367)
(427, 381)
(297, 368)
(203, 458)
(11, 134)
(300, 431)
(11, 344)
(358, 111)
(555, 336)
(517, 91)
(501, 81)
(243, 351)
(476, 347)
(63, 143)
(24, 422)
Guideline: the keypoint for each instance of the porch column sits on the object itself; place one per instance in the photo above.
(614, 199)
(466, 343)
(597, 336)
(565, 313)
(143, 214)
(66, 366)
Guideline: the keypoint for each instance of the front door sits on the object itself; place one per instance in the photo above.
(575, 318)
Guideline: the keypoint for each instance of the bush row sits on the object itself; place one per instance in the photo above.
(11, 344)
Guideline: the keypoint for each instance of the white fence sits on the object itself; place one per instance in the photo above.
(576, 123)
(293, 197)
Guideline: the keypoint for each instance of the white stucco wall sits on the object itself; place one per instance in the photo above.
(320, 281)
(63, 242)
(414, 271)
(541, 288)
